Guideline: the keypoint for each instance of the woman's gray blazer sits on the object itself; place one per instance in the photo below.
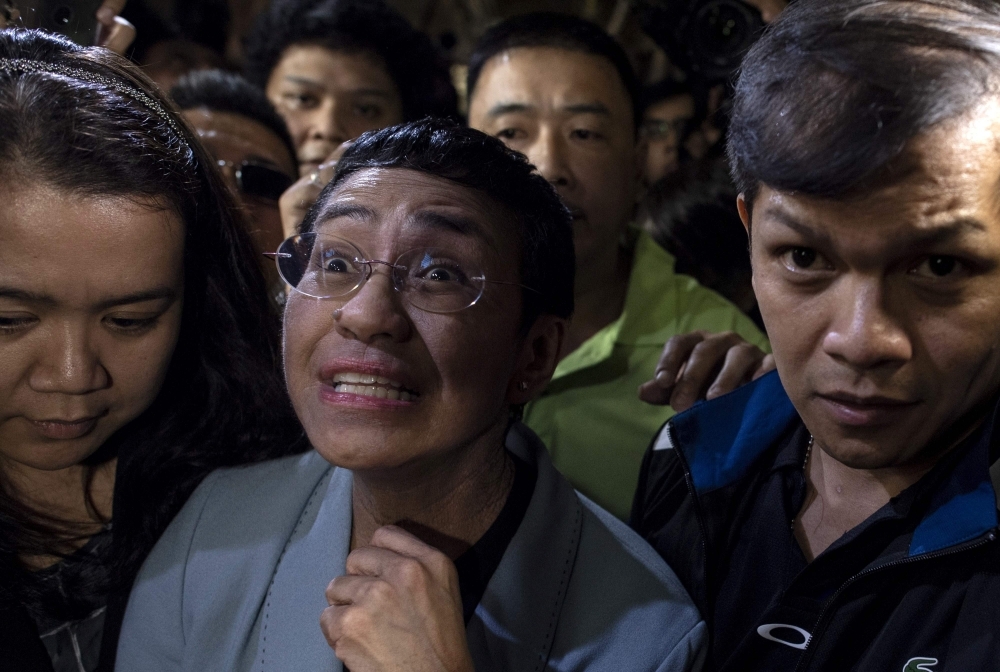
(237, 581)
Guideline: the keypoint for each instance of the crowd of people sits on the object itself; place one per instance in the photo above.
(323, 365)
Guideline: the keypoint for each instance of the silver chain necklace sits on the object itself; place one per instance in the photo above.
(805, 464)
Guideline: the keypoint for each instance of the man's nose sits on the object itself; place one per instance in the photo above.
(68, 363)
(329, 122)
(375, 312)
(548, 153)
(864, 334)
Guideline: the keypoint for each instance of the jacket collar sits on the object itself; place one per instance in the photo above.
(315, 553)
(721, 439)
(514, 625)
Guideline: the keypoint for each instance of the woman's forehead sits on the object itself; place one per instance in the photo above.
(399, 200)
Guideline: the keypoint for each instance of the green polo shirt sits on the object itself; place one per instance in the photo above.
(590, 415)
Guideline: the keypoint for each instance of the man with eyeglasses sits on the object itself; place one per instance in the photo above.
(255, 155)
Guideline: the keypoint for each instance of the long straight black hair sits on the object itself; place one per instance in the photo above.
(223, 401)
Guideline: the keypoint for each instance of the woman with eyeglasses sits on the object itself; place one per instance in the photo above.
(428, 529)
(138, 348)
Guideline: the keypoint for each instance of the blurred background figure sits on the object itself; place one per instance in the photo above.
(337, 68)
(668, 110)
(170, 44)
(334, 69)
(251, 146)
(691, 214)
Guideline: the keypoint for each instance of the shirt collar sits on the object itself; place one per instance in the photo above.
(648, 289)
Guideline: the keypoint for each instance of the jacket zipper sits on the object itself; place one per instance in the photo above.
(689, 481)
(991, 536)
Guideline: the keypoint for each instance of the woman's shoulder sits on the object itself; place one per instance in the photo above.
(246, 505)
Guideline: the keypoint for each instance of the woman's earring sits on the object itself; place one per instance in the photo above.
(337, 313)
(523, 386)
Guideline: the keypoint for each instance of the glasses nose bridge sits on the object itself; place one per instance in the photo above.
(396, 272)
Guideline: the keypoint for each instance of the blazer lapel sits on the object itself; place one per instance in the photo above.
(514, 625)
(290, 636)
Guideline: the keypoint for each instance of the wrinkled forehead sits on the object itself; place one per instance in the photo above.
(389, 204)
(946, 184)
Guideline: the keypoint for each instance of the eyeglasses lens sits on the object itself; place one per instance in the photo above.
(263, 181)
(439, 281)
(327, 267)
(319, 266)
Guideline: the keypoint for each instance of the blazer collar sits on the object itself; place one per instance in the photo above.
(514, 625)
(315, 553)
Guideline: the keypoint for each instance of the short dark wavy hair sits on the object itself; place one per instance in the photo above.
(224, 400)
(561, 31)
(223, 91)
(472, 159)
(829, 98)
(418, 69)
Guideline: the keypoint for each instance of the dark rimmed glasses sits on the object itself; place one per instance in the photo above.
(258, 179)
(323, 266)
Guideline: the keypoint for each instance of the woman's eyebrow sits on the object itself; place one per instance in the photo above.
(25, 296)
(350, 211)
(305, 81)
(155, 294)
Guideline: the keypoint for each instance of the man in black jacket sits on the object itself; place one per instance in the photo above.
(841, 514)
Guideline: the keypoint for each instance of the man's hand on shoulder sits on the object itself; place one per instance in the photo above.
(702, 365)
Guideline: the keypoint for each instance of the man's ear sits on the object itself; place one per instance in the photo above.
(537, 360)
(741, 205)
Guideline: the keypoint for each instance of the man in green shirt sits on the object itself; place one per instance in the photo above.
(562, 91)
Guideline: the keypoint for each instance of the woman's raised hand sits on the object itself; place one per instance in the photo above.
(397, 608)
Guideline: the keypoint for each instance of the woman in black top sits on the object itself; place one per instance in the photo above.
(139, 351)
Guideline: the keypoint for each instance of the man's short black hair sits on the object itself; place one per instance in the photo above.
(475, 160)
(562, 31)
(830, 97)
(222, 91)
(369, 26)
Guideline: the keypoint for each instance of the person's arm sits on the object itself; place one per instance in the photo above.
(703, 365)
(114, 32)
(398, 607)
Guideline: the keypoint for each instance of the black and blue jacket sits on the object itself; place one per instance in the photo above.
(929, 599)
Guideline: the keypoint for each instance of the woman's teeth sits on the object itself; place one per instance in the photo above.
(366, 385)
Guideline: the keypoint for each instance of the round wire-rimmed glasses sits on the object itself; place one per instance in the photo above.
(435, 280)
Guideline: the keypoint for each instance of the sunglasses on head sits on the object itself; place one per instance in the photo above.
(258, 179)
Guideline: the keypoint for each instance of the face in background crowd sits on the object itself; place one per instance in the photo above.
(327, 97)
(571, 115)
(86, 332)
(242, 144)
(662, 129)
(883, 310)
